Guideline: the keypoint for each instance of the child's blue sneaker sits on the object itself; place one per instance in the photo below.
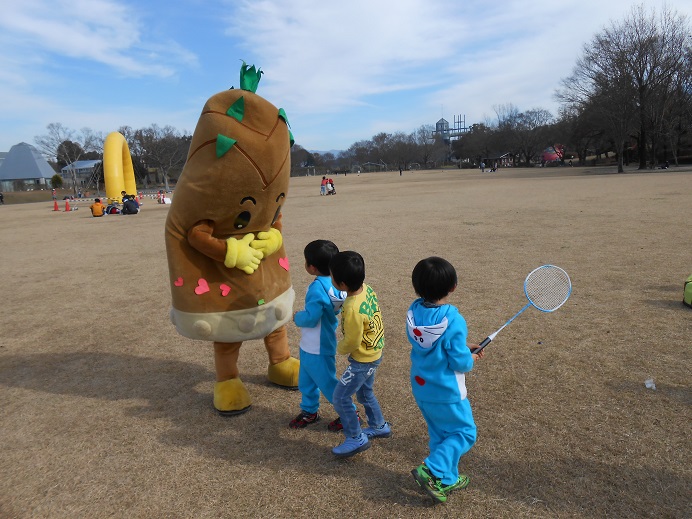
(383, 431)
(352, 446)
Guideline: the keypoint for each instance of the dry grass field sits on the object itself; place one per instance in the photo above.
(106, 411)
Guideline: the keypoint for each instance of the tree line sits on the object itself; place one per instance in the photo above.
(629, 94)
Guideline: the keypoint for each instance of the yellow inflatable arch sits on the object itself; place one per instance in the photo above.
(118, 173)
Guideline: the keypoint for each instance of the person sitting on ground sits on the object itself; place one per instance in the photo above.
(130, 206)
(97, 208)
(127, 197)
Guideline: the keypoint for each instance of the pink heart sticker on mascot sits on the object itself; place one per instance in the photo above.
(284, 263)
(202, 287)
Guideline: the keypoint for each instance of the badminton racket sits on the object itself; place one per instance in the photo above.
(547, 288)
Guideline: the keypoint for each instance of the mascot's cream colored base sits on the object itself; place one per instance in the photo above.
(236, 325)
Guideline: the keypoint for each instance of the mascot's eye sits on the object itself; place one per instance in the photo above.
(242, 220)
(276, 215)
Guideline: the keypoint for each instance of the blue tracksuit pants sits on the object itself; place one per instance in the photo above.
(452, 433)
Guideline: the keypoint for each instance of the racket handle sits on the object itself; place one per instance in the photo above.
(482, 345)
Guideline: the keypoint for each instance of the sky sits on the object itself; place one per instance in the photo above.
(343, 71)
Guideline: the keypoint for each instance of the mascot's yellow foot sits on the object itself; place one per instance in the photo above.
(231, 397)
(285, 373)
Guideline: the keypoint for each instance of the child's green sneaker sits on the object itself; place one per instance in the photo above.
(431, 484)
(461, 483)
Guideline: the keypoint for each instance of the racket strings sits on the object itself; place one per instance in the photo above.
(547, 288)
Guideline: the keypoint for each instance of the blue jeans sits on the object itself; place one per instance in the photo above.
(358, 379)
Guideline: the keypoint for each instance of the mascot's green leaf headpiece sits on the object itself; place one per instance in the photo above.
(250, 77)
(249, 80)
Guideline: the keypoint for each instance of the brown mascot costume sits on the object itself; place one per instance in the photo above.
(228, 269)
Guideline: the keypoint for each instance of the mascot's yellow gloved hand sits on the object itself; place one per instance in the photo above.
(268, 242)
(241, 255)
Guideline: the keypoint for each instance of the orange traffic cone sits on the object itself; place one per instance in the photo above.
(55, 206)
(67, 205)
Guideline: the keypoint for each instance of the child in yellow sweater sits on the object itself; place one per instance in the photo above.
(363, 340)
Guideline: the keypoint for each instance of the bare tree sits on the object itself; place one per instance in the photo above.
(506, 131)
(424, 140)
(582, 129)
(66, 146)
(163, 148)
(531, 132)
(474, 145)
(631, 69)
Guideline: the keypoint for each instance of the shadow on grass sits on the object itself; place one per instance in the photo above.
(258, 438)
(261, 439)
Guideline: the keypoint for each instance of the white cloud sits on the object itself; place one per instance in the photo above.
(100, 31)
(466, 56)
(323, 56)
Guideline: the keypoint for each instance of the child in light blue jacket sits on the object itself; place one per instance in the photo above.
(317, 322)
(440, 356)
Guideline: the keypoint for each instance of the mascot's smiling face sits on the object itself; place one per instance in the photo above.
(253, 218)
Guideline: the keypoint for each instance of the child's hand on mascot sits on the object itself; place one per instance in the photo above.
(268, 242)
(241, 255)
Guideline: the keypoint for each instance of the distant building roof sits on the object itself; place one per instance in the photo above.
(25, 162)
(80, 165)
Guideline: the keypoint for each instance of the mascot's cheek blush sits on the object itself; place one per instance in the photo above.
(419, 381)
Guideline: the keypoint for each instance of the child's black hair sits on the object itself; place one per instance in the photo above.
(319, 253)
(433, 278)
(348, 267)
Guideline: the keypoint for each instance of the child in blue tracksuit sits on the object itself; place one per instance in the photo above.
(318, 323)
(439, 358)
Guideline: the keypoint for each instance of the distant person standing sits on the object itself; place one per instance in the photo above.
(482, 167)
(55, 194)
(2, 199)
(401, 171)
(323, 186)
